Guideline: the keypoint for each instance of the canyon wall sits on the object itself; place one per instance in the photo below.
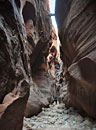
(76, 21)
(25, 37)
(14, 71)
(39, 36)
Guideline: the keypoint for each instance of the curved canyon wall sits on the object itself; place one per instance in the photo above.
(25, 39)
(14, 71)
(39, 40)
(76, 21)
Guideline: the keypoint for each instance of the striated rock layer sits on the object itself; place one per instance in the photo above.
(14, 72)
(76, 21)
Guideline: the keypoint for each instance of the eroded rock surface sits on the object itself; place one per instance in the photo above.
(39, 37)
(77, 22)
(25, 36)
(14, 72)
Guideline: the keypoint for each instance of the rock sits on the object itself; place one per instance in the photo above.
(59, 111)
(94, 129)
(50, 119)
(40, 95)
(76, 24)
(11, 102)
(42, 108)
(87, 123)
(66, 126)
(14, 71)
(25, 35)
(66, 117)
(24, 128)
(79, 118)
(39, 36)
(61, 106)
(33, 105)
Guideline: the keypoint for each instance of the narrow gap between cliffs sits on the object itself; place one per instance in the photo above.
(52, 114)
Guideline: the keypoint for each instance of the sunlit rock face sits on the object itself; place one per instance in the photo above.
(53, 53)
(76, 21)
(14, 72)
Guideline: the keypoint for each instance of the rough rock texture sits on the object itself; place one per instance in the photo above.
(41, 94)
(58, 117)
(53, 54)
(14, 73)
(23, 60)
(77, 22)
(39, 35)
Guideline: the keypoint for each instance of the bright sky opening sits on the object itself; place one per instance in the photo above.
(52, 10)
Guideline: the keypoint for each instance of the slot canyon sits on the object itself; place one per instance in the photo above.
(47, 76)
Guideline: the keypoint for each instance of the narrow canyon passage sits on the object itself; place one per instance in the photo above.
(58, 117)
(38, 68)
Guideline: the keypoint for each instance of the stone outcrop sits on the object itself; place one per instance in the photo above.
(39, 36)
(14, 72)
(76, 21)
(25, 35)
